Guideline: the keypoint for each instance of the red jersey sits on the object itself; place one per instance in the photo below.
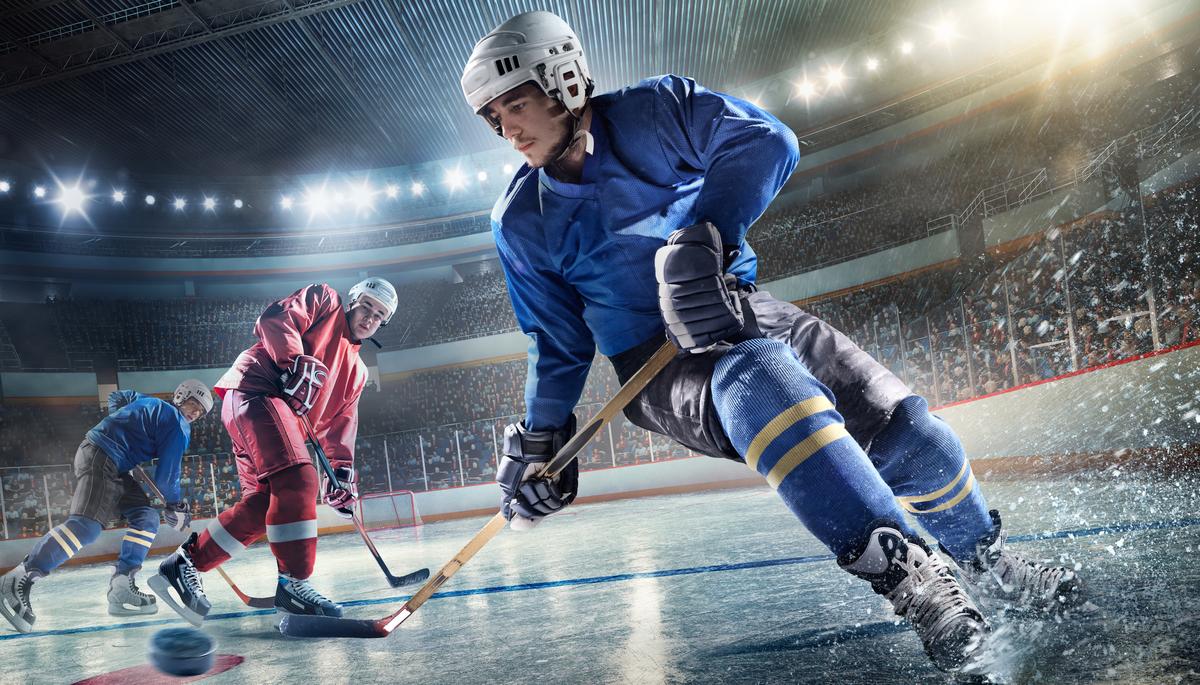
(310, 321)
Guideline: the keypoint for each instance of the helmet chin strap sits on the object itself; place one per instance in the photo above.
(576, 134)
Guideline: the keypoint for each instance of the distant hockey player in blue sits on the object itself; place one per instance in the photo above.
(138, 429)
(630, 216)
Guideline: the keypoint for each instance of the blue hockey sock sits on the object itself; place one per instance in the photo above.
(61, 543)
(923, 461)
(782, 421)
(143, 526)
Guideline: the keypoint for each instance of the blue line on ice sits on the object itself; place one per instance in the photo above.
(619, 577)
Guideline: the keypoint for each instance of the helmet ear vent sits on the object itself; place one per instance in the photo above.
(503, 66)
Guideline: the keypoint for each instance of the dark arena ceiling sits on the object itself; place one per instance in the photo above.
(299, 86)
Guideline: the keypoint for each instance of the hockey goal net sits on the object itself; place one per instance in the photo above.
(396, 509)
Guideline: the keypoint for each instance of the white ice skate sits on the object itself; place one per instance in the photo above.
(1021, 583)
(922, 589)
(15, 587)
(125, 598)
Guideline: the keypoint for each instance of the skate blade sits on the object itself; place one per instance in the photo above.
(162, 587)
(21, 625)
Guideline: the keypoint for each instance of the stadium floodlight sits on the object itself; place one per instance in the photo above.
(418, 189)
(806, 89)
(39, 191)
(362, 195)
(455, 178)
(481, 176)
(150, 200)
(944, 32)
(906, 47)
(238, 204)
(508, 169)
(118, 197)
(210, 204)
(179, 203)
(71, 198)
(317, 201)
(5, 186)
(834, 77)
(285, 203)
(872, 64)
(392, 190)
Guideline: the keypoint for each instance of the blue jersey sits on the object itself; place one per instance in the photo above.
(579, 258)
(139, 428)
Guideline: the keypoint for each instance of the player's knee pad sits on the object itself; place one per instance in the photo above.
(293, 494)
(86, 529)
(762, 392)
(143, 519)
(924, 463)
(914, 433)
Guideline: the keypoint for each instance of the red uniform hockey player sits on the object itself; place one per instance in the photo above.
(305, 363)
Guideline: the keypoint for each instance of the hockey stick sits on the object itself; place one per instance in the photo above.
(297, 625)
(147, 482)
(408, 579)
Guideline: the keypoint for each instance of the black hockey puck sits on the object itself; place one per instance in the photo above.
(182, 651)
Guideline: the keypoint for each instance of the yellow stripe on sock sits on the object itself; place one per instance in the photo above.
(67, 531)
(805, 449)
(784, 420)
(966, 490)
(62, 543)
(142, 533)
(130, 538)
(912, 499)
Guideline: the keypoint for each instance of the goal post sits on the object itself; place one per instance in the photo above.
(395, 509)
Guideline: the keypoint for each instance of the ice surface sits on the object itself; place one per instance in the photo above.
(708, 587)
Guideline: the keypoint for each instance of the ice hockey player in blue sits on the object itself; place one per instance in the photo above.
(138, 429)
(630, 215)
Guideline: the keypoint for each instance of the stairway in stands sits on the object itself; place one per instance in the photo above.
(33, 335)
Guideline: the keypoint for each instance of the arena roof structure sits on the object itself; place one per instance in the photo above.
(299, 86)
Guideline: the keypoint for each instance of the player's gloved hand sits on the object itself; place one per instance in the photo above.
(528, 498)
(698, 300)
(176, 515)
(302, 383)
(341, 499)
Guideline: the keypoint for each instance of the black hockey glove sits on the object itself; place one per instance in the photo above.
(176, 515)
(699, 301)
(303, 382)
(527, 498)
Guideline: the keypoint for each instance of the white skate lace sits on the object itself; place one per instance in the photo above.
(308, 592)
(1015, 575)
(191, 577)
(930, 597)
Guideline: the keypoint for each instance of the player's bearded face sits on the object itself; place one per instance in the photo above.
(535, 124)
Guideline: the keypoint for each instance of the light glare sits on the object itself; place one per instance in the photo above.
(150, 200)
(118, 196)
(286, 203)
(180, 203)
(210, 204)
(238, 204)
(71, 199)
(906, 48)
(806, 89)
(39, 192)
(508, 168)
(418, 188)
(5, 186)
(392, 191)
(455, 178)
(872, 64)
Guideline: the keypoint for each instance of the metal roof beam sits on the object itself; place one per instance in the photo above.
(175, 38)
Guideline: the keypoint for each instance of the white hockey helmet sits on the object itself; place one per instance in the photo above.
(192, 389)
(378, 289)
(534, 46)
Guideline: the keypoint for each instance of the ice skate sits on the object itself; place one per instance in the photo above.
(179, 573)
(125, 598)
(922, 589)
(15, 587)
(1023, 584)
(295, 596)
